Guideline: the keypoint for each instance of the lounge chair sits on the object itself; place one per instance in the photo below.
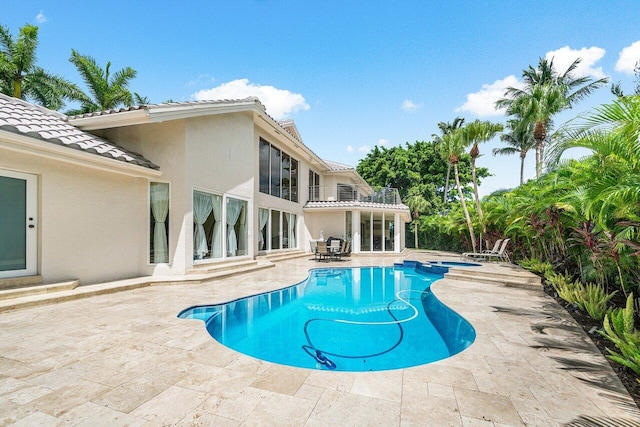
(500, 255)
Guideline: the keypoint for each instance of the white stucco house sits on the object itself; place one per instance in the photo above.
(164, 188)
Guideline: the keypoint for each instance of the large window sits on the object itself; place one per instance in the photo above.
(277, 230)
(159, 217)
(377, 231)
(208, 225)
(278, 172)
(314, 186)
(236, 216)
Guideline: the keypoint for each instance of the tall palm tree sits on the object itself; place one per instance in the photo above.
(107, 91)
(519, 140)
(451, 148)
(417, 204)
(546, 92)
(473, 134)
(20, 77)
(445, 128)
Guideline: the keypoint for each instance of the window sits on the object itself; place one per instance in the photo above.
(314, 186)
(286, 176)
(278, 230)
(236, 217)
(275, 172)
(346, 193)
(159, 216)
(278, 172)
(264, 166)
(208, 225)
(294, 180)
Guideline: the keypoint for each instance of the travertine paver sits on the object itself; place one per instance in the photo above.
(126, 359)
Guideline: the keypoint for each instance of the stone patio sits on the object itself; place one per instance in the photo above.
(126, 359)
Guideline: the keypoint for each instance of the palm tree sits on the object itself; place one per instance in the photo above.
(21, 78)
(473, 134)
(445, 128)
(451, 148)
(107, 91)
(519, 141)
(546, 93)
(417, 204)
(612, 133)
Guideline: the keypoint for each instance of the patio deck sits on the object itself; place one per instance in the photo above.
(126, 359)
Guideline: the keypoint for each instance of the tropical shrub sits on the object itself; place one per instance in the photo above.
(594, 300)
(536, 266)
(620, 330)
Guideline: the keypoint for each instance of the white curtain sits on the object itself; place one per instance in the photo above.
(216, 238)
(242, 230)
(292, 234)
(233, 213)
(160, 209)
(202, 207)
(263, 217)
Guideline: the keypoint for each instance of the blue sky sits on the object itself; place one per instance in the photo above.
(352, 74)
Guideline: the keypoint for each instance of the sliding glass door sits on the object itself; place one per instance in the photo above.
(18, 222)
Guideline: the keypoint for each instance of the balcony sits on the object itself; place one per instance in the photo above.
(350, 193)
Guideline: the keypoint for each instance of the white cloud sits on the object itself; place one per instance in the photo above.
(482, 103)
(349, 148)
(629, 57)
(40, 18)
(383, 141)
(202, 79)
(564, 56)
(409, 105)
(279, 102)
(364, 148)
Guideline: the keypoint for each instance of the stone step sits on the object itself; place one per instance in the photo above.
(38, 289)
(86, 291)
(20, 282)
(508, 273)
(222, 266)
(283, 256)
(510, 281)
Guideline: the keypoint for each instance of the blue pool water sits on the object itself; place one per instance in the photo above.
(344, 319)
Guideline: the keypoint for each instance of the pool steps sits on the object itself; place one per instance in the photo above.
(511, 277)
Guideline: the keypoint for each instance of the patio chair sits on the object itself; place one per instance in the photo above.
(495, 250)
(500, 255)
(322, 252)
(334, 248)
(345, 250)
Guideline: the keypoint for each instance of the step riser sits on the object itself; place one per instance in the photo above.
(500, 281)
(37, 290)
(212, 268)
(473, 274)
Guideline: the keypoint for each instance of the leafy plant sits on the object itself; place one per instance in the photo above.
(536, 266)
(565, 286)
(593, 299)
(620, 330)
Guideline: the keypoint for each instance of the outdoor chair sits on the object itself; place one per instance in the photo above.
(500, 255)
(345, 250)
(322, 252)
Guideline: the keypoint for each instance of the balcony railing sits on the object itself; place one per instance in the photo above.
(347, 193)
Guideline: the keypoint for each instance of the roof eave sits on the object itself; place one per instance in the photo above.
(26, 144)
(106, 121)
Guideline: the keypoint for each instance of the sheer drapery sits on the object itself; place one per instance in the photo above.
(202, 207)
(216, 238)
(292, 235)
(242, 230)
(160, 208)
(233, 213)
(263, 217)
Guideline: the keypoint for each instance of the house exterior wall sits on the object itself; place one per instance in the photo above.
(88, 221)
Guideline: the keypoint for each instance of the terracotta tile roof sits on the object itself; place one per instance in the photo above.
(20, 117)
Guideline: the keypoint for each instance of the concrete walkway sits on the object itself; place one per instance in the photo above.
(126, 359)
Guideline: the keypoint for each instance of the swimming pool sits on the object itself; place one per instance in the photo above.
(344, 319)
